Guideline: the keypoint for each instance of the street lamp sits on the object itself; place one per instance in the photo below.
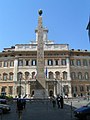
(20, 88)
(61, 87)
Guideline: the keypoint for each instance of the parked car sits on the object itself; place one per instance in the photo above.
(83, 112)
(5, 108)
(3, 101)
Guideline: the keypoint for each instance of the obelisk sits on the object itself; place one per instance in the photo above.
(40, 91)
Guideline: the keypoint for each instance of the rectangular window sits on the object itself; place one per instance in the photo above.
(72, 62)
(5, 64)
(85, 62)
(20, 63)
(33, 62)
(88, 88)
(81, 88)
(10, 90)
(78, 62)
(11, 63)
(27, 62)
(63, 62)
(50, 62)
(56, 62)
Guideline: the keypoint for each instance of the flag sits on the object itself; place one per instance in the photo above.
(46, 72)
(88, 28)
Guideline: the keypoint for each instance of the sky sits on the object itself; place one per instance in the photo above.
(66, 21)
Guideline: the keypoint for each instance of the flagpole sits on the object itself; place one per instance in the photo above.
(88, 28)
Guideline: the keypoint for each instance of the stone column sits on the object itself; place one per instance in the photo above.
(69, 94)
(15, 69)
(68, 69)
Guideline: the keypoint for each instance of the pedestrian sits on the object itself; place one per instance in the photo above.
(61, 102)
(24, 103)
(53, 101)
(58, 101)
(19, 105)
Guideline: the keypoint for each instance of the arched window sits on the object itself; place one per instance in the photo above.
(51, 75)
(57, 74)
(5, 75)
(10, 76)
(86, 76)
(27, 75)
(65, 75)
(33, 75)
(79, 75)
(73, 75)
(20, 76)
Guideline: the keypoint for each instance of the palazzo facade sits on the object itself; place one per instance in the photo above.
(67, 72)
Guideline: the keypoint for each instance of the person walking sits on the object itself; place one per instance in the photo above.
(61, 102)
(53, 101)
(58, 101)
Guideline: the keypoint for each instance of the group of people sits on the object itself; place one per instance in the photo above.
(59, 100)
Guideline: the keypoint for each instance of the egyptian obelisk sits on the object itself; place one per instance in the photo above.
(40, 91)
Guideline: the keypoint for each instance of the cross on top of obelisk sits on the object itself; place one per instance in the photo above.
(40, 12)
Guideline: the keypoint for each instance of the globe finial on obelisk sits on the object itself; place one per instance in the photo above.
(40, 12)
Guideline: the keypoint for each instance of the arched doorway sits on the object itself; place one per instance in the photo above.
(32, 93)
(51, 93)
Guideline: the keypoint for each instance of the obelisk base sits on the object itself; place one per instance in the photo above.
(40, 94)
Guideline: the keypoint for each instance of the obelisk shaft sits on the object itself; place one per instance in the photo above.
(40, 55)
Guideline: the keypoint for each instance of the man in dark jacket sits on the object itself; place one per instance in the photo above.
(61, 102)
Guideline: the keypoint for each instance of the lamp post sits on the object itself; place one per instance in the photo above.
(61, 87)
(20, 88)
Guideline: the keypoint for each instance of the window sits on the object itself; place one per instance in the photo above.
(88, 88)
(72, 62)
(81, 88)
(26, 75)
(33, 63)
(63, 62)
(20, 75)
(65, 75)
(11, 63)
(86, 76)
(5, 64)
(56, 62)
(10, 90)
(10, 76)
(51, 75)
(0, 64)
(78, 62)
(73, 75)
(50, 62)
(57, 75)
(4, 76)
(33, 75)
(85, 62)
(79, 75)
(3, 89)
(20, 63)
(27, 62)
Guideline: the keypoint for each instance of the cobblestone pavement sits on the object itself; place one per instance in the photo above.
(44, 111)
